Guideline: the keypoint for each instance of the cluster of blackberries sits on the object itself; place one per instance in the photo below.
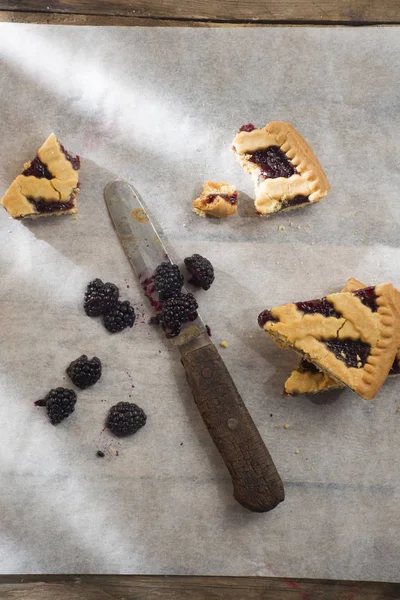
(178, 308)
(124, 418)
(102, 299)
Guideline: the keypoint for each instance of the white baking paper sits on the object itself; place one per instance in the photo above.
(160, 107)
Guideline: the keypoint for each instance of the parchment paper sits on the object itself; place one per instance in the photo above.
(160, 107)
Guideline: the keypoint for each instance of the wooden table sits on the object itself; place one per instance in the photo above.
(196, 13)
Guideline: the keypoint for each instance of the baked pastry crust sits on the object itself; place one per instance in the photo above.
(306, 379)
(350, 321)
(218, 199)
(59, 186)
(307, 185)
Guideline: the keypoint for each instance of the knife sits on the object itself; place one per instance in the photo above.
(256, 483)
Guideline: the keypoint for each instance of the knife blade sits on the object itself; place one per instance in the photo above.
(256, 483)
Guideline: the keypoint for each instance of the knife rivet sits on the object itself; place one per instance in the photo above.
(207, 372)
(232, 423)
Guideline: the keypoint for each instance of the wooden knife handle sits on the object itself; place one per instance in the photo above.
(256, 483)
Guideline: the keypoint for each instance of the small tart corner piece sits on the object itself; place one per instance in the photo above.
(47, 186)
(286, 172)
(353, 337)
(218, 199)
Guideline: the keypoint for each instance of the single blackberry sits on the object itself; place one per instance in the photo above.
(176, 311)
(84, 372)
(201, 270)
(168, 280)
(125, 418)
(121, 315)
(100, 298)
(60, 403)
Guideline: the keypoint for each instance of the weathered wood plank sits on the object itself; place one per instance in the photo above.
(257, 11)
(110, 587)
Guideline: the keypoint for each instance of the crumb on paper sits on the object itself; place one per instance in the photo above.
(276, 425)
(286, 426)
(297, 451)
(398, 409)
(281, 228)
(250, 337)
(224, 344)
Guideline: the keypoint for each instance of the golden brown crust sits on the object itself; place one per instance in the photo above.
(220, 206)
(271, 194)
(306, 333)
(63, 187)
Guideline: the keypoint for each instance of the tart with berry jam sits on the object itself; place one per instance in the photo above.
(307, 379)
(47, 186)
(286, 172)
(218, 199)
(351, 336)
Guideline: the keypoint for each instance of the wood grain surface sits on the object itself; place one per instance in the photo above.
(198, 13)
(110, 587)
(172, 12)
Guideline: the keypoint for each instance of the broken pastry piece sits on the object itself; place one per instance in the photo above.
(285, 171)
(47, 186)
(306, 379)
(216, 200)
(351, 336)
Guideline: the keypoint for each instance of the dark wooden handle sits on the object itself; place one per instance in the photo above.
(256, 482)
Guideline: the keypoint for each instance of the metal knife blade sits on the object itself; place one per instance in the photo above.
(143, 246)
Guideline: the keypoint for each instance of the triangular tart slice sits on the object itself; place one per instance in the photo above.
(307, 379)
(47, 186)
(285, 170)
(351, 336)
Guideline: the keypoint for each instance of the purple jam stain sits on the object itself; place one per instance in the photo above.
(352, 352)
(40, 403)
(249, 127)
(296, 201)
(229, 198)
(264, 317)
(273, 163)
(42, 206)
(368, 297)
(149, 289)
(74, 160)
(321, 307)
(306, 366)
(395, 370)
(37, 169)
(116, 453)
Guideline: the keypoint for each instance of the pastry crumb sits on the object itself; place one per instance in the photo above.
(286, 426)
(218, 199)
(281, 228)
(297, 451)
(224, 344)
(398, 409)
(276, 425)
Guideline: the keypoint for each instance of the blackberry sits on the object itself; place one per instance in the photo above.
(84, 372)
(168, 280)
(176, 311)
(125, 418)
(121, 315)
(60, 403)
(100, 298)
(201, 270)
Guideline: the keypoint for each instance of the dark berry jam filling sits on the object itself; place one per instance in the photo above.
(395, 370)
(42, 206)
(273, 163)
(74, 160)
(321, 307)
(353, 352)
(229, 198)
(37, 169)
(368, 297)
(296, 201)
(264, 317)
(249, 127)
(306, 366)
